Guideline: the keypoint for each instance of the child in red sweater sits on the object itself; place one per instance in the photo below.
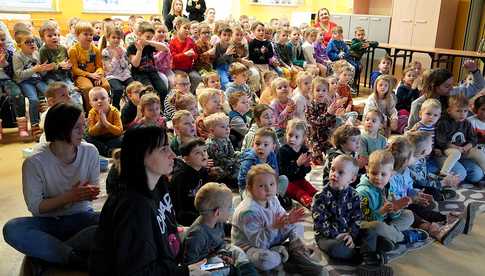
(183, 52)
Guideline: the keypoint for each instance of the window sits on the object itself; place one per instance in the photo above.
(122, 6)
(28, 5)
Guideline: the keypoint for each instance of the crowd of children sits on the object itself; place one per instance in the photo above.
(255, 106)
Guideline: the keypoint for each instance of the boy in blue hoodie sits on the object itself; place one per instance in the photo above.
(263, 151)
(388, 219)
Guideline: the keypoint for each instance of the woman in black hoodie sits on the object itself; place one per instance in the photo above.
(137, 233)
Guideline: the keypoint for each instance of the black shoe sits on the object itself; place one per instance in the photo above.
(78, 261)
(34, 266)
(470, 214)
(384, 245)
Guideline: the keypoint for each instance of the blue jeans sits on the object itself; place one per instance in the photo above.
(31, 87)
(223, 71)
(51, 239)
(466, 169)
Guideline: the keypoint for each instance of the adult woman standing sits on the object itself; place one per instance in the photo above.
(176, 10)
(323, 23)
(196, 10)
(59, 182)
(137, 233)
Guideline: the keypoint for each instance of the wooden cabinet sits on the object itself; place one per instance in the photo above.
(344, 21)
(423, 23)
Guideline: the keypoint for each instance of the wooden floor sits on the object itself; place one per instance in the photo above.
(465, 256)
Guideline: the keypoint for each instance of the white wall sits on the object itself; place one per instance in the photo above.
(223, 7)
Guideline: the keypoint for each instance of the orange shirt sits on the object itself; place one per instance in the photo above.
(84, 61)
(114, 128)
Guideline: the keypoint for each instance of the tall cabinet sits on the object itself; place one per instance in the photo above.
(423, 23)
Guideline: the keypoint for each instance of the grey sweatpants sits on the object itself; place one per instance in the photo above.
(393, 230)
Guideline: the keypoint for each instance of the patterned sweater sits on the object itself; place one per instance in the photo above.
(335, 212)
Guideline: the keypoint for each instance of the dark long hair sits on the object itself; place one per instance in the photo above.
(137, 142)
(436, 78)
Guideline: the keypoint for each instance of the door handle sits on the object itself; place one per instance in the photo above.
(363, 18)
(421, 21)
(375, 19)
(406, 20)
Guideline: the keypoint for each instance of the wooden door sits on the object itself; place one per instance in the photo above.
(426, 23)
(402, 22)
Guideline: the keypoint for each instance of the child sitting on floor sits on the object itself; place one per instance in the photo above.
(262, 117)
(302, 94)
(129, 111)
(238, 119)
(344, 101)
(383, 99)
(337, 217)
(211, 101)
(87, 63)
(261, 226)
(205, 237)
(478, 121)
(220, 149)
(184, 129)
(386, 217)
(345, 140)
(239, 74)
(188, 176)
(384, 69)
(262, 151)
(104, 123)
(182, 86)
(370, 138)
(294, 162)
(422, 179)
(455, 136)
(320, 115)
(429, 114)
(28, 73)
(283, 106)
(150, 111)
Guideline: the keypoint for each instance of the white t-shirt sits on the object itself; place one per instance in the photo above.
(45, 176)
(301, 104)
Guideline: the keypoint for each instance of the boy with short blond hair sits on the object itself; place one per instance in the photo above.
(261, 225)
(87, 64)
(220, 148)
(205, 237)
(184, 128)
(239, 74)
(29, 72)
(104, 123)
(211, 102)
(455, 135)
(380, 214)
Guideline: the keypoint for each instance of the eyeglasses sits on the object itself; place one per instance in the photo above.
(29, 42)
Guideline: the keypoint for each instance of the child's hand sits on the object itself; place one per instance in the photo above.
(2, 56)
(398, 204)
(291, 106)
(424, 199)
(467, 148)
(386, 208)
(102, 117)
(362, 161)
(189, 53)
(347, 238)
(194, 269)
(296, 215)
(230, 50)
(280, 221)
(94, 76)
(66, 65)
(303, 159)
(470, 65)
(451, 180)
(140, 44)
